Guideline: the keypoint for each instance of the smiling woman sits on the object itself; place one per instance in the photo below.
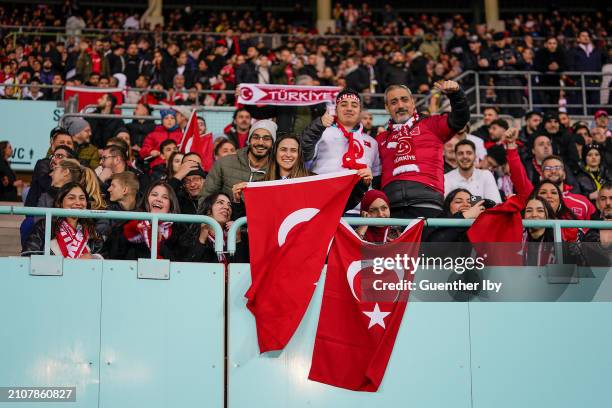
(71, 237)
(287, 160)
(132, 239)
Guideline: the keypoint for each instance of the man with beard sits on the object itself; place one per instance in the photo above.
(478, 182)
(411, 150)
(104, 129)
(238, 131)
(598, 251)
(563, 143)
(230, 174)
(533, 120)
(489, 115)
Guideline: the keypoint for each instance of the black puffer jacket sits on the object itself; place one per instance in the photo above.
(35, 244)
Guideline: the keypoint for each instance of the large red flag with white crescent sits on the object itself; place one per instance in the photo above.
(291, 224)
(360, 317)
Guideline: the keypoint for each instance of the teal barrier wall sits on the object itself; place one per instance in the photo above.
(474, 354)
(27, 124)
(122, 341)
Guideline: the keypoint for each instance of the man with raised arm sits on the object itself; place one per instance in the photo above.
(411, 150)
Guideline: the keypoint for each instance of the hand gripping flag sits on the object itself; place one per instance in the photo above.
(358, 323)
(291, 224)
(497, 233)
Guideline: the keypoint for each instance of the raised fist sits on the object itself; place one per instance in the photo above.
(447, 87)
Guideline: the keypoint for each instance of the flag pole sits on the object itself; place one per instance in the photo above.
(193, 113)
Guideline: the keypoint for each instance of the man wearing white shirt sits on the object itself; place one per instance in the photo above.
(466, 175)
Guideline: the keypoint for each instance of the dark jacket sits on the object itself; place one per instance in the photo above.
(543, 59)
(563, 144)
(358, 79)
(41, 182)
(397, 74)
(228, 171)
(8, 192)
(138, 130)
(586, 179)
(103, 129)
(35, 243)
(174, 248)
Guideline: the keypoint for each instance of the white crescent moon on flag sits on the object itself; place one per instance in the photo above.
(352, 271)
(293, 219)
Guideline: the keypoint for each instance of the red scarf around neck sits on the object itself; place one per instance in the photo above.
(354, 151)
(72, 242)
(138, 232)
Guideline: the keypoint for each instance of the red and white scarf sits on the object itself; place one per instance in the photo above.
(405, 149)
(138, 232)
(72, 242)
(286, 95)
(354, 151)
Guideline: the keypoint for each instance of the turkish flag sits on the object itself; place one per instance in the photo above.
(497, 233)
(358, 322)
(89, 95)
(291, 224)
(192, 141)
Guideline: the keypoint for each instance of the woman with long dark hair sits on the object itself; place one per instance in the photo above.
(132, 239)
(538, 243)
(202, 242)
(71, 237)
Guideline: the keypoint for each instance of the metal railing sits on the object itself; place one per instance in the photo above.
(48, 213)
(271, 40)
(438, 222)
(154, 218)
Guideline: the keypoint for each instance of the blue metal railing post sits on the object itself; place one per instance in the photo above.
(48, 232)
(154, 236)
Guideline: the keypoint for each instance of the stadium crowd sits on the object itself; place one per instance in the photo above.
(558, 171)
(263, 47)
(554, 166)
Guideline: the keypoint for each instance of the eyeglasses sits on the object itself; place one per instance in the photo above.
(261, 138)
(551, 168)
(59, 156)
(102, 158)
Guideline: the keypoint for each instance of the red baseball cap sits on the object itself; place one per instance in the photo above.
(600, 112)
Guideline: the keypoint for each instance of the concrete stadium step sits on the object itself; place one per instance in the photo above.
(10, 241)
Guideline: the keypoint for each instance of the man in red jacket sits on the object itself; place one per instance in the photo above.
(167, 130)
(411, 150)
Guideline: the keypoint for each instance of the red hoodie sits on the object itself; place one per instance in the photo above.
(154, 139)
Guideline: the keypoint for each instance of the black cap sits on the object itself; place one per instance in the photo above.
(197, 172)
(498, 36)
(550, 116)
(58, 130)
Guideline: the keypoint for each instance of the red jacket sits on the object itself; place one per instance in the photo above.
(428, 137)
(154, 139)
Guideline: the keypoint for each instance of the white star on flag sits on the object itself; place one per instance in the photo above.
(376, 317)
